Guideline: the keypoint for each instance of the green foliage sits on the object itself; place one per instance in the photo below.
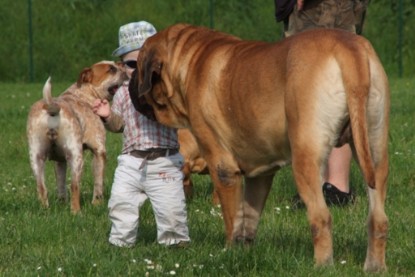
(69, 35)
(52, 242)
(382, 28)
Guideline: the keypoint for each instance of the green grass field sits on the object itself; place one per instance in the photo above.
(52, 242)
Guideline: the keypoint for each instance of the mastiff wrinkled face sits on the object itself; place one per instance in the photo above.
(151, 88)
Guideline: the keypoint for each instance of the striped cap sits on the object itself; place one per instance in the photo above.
(132, 36)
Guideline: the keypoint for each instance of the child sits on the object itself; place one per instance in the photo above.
(149, 165)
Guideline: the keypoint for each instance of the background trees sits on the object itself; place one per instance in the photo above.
(69, 35)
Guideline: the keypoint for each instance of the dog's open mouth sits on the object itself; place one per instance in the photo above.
(113, 89)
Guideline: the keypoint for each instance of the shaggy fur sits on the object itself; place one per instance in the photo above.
(59, 129)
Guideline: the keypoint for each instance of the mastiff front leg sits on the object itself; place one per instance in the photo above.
(227, 180)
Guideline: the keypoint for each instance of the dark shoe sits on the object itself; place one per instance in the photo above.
(180, 245)
(297, 202)
(334, 196)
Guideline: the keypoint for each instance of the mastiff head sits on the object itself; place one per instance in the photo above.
(153, 89)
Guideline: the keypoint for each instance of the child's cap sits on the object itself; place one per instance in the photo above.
(131, 37)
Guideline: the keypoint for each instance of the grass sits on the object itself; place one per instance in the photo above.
(52, 242)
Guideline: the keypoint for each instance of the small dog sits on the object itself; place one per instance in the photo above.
(193, 161)
(59, 129)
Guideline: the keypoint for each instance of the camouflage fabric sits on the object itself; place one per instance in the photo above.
(343, 14)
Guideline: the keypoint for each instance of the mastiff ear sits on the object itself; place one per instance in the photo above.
(139, 101)
(133, 89)
(149, 70)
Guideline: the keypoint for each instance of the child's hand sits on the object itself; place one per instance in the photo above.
(101, 108)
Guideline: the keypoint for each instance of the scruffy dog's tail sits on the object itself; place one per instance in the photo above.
(52, 109)
(51, 106)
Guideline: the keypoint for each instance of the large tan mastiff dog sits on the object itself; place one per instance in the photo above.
(255, 107)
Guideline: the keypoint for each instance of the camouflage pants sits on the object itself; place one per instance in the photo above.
(328, 14)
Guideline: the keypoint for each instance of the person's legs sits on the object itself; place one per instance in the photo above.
(164, 187)
(338, 167)
(336, 188)
(328, 14)
(125, 201)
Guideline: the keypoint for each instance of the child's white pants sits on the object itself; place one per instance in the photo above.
(160, 180)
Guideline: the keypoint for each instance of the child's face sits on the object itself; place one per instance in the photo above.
(130, 62)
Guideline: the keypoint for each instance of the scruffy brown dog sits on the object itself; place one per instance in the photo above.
(59, 129)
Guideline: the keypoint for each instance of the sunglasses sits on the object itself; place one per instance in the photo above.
(131, 64)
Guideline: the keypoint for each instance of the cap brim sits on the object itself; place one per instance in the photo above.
(125, 49)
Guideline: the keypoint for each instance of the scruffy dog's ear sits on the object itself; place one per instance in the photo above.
(84, 77)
